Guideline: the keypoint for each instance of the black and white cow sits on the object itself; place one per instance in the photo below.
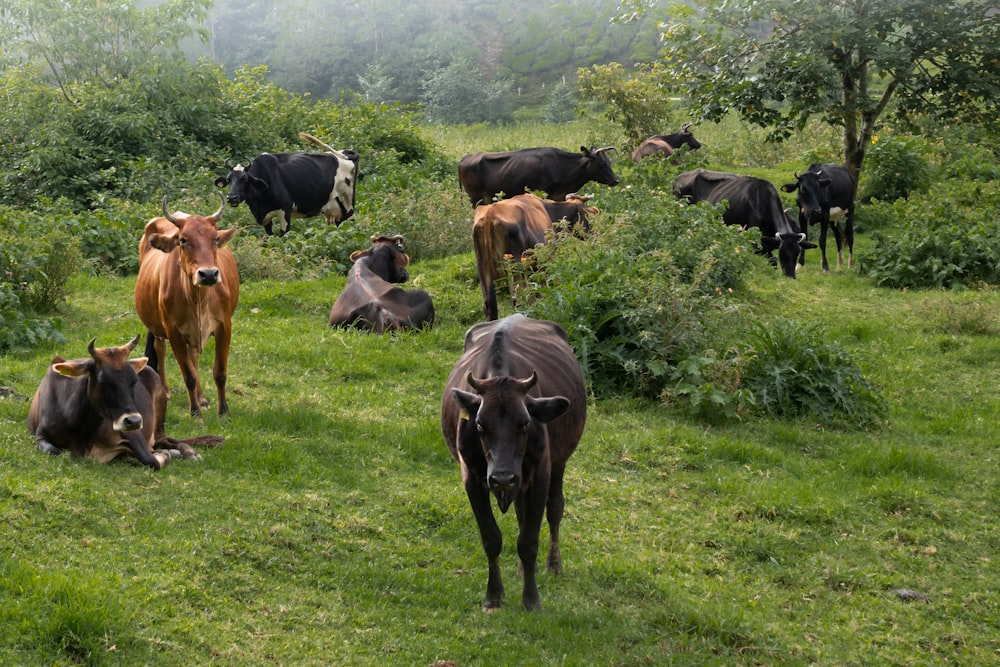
(283, 186)
(824, 194)
(753, 202)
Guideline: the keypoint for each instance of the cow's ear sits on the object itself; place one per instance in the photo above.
(358, 254)
(257, 183)
(164, 242)
(585, 150)
(545, 410)
(221, 181)
(806, 245)
(73, 369)
(226, 235)
(823, 182)
(789, 187)
(468, 403)
(138, 364)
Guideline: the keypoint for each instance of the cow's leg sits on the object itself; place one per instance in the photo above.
(187, 359)
(47, 447)
(804, 229)
(223, 336)
(530, 506)
(840, 242)
(554, 514)
(137, 444)
(492, 539)
(160, 349)
(849, 237)
(823, 227)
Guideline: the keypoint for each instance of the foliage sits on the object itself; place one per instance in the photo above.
(456, 94)
(641, 100)
(644, 296)
(898, 166)
(947, 237)
(780, 62)
(795, 370)
(560, 106)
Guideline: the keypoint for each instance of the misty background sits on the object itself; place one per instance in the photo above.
(520, 53)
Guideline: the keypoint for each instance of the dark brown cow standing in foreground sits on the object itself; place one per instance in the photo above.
(187, 290)
(371, 301)
(105, 406)
(510, 227)
(513, 411)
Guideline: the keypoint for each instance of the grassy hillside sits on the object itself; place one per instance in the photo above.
(331, 527)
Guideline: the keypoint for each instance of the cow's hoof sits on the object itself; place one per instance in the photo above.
(48, 448)
(492, 605)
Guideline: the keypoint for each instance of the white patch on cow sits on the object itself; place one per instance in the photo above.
(239, 168)
(341, 199)
(836, 211)
(278, 215)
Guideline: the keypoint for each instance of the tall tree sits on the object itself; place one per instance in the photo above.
(780, 62)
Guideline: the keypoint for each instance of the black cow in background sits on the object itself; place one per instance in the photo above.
(666, 144)
(824, 194)
(753, 202)
(300, 185)
(551, 170)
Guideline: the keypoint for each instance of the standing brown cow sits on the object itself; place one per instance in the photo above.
(513, 411)
(187, 290)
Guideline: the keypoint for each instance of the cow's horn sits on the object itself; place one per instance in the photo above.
(131, 345)
(529, 382)
(218, 214)
(166, 213)
(90, 346)
(473, 382)
(685, 126)
(606, 148)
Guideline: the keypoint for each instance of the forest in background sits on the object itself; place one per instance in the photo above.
(385, 50)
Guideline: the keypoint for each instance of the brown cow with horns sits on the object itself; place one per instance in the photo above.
(187, 290)
(513, 412)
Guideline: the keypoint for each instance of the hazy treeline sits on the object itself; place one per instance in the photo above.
(386, 49)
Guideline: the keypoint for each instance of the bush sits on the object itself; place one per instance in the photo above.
(646, 299)
(945, 238)
(794, 370)
(897, 167)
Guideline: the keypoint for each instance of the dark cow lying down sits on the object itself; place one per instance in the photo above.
(511, 227)
(370, 300)
(555, 172)
(753, 202)
(105, 406)
(282, 186)
(512, 413)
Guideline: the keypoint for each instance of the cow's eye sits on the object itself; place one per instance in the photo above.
(184, 242)
(527, 425)
(479, 427)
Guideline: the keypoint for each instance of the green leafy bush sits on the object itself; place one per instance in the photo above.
(794, 370)
(897, 167)
(947, 237)
(645, 298)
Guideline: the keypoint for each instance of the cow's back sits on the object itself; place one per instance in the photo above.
(516, 346)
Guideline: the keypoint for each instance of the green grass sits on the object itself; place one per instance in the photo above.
(331, 528)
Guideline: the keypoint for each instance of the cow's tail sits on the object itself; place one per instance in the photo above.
(305, 136)
(152, 361)
(487, 261)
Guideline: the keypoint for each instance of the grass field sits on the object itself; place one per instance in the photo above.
(331, 528)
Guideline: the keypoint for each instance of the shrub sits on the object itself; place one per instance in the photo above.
(794, 370)
(645, 298)
(945, 238)
(897, 167)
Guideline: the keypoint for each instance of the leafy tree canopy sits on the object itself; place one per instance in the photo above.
(779, 62)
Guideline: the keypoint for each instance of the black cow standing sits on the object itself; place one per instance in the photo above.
(512, 413)
(301, 185)
(824, 194)
(554, 171)
(753, 202)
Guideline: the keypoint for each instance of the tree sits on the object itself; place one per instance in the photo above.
(850, 62)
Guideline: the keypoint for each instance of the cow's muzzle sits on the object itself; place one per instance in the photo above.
(207, 277)
(504, 486)
(130, 421)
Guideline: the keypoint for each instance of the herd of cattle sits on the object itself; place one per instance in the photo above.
(514, 406)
